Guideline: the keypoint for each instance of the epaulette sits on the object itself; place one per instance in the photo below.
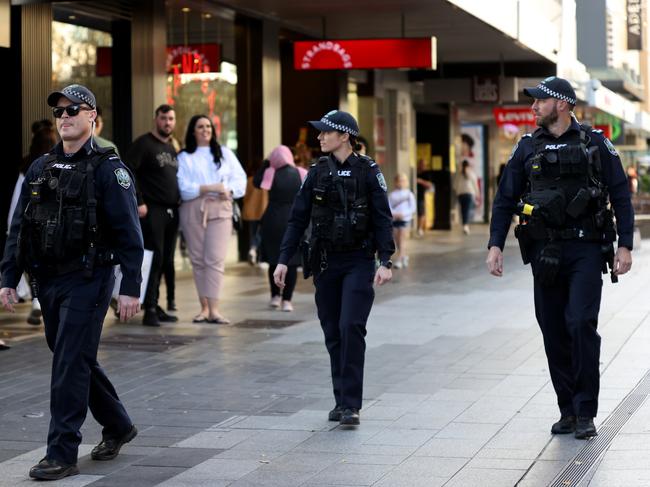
(369, 160)
(598, 131)
(526, 135)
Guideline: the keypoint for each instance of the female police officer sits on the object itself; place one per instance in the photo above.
(344, 197)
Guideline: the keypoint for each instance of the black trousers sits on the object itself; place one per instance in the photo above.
(567, 313)
(289, 282)
(159, 231)
(344, 297)
(73, 312)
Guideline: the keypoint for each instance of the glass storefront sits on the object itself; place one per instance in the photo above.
(201, 74)
(75, 60)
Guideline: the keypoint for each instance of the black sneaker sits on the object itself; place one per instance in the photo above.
(585, 428)
(150, 317)
(110, 447)
(164, 317)
(34, 317)
(566, 425)
(335, 414)
(48, 469)
(350, 417)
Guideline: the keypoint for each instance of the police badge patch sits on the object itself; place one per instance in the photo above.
(123, 178)
(610, 147)
(382, 181)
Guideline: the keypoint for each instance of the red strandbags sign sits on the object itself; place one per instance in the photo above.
(514, 116)
(365, 54)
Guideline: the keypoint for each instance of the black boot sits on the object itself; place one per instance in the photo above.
(566, 425)
(585, 428)
(350, 417)
(49, 469)
(110, 447)
(171, 305)
(335, 414)
(164, 317)
(150, 317)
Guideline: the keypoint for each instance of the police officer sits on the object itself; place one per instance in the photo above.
(344, 198)
(563, 181)
(76, 217)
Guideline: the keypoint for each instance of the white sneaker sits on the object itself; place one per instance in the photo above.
(275, 302)
(287, 306)
(405, 261)
(398, 264)
(252, 256)
(466, 229)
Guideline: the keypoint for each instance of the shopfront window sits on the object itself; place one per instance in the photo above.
(201, 74)
(77, 58)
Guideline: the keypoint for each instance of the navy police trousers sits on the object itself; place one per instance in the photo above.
(567, 313)
(344, 296)
(73, 312)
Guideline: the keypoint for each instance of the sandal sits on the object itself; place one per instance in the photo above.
(200, 319)
(219, 320)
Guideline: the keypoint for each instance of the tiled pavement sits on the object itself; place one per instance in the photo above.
(457, 390)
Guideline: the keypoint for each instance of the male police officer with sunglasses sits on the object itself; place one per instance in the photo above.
(561, 180)
(76, 217)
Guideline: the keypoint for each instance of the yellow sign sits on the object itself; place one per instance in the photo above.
(436, 163)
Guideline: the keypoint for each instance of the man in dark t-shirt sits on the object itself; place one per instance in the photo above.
(152, 159)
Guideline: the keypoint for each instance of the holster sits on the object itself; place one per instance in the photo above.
(608, 260)
(523, 239)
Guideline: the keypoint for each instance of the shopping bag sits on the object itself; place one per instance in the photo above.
(146, 269)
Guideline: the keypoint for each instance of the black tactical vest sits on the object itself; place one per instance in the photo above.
(60, 230)
(566, 197)
(340, 213)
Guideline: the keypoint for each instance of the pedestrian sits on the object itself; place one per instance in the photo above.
(467, 191)
(254, 205)
(344, 199)
(99, 128)
(43, 139)
(402, 206)
(76, 217)
(424, 184)
(561, 179)
(210, 177)
(152, 159)
(282, 179)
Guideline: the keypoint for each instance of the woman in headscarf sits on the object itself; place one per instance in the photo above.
(282, 179)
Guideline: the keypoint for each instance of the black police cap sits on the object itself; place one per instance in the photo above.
(75, 93)
(337, 120)
(553, 87)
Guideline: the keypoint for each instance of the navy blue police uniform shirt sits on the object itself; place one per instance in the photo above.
(381, 218)
(514, 183)
(116, 198)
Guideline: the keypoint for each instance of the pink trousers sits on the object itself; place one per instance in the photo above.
(207, 244)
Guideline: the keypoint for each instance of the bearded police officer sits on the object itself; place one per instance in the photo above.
(564, 180)
(344, 197)
(76, 217)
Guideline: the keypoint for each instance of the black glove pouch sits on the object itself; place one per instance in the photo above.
(549, 205)
(548, 264)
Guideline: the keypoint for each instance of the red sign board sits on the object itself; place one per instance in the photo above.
(193, 58)
(514, 116)
(365, 54)
(607, 130)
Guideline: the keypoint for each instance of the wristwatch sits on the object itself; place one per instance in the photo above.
(388, 264)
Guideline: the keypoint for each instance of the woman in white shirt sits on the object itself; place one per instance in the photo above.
(209, 177)
(402, 205)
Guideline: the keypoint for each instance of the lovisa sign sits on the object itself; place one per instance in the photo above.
(365, 54)
(514, 116)
(193, 58)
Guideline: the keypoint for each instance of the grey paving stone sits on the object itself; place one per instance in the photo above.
(176, 457)
(485, 477)
(542, 472)
(138, 476)
(351, 474)
(401, 437)
(450, 448)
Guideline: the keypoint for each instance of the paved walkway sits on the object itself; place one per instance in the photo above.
(457, 388)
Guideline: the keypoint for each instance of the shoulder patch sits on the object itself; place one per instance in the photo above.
(610, 147)
(123, 178)
(382, 181)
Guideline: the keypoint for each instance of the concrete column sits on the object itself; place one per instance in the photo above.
(149, 41)
(271, 87)
(36, 66)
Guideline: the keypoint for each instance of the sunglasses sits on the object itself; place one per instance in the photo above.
(71, 110)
